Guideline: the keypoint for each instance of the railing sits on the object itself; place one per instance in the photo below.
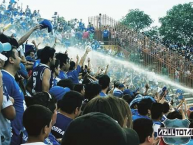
(103, 20)
(149, 53)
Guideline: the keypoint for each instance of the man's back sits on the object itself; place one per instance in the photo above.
(61, 125)
(37, 77)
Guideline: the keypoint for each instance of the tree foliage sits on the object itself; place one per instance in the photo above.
(177, 25)
(153, 32)
(137, 20)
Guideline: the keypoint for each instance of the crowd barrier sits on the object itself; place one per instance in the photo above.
(149, 53)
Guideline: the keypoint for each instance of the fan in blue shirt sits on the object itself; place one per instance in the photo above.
(105, 33)
(70, 108)
(12, 65)
(142, 110)
(73, 73)
(42, 78)
(48, 101)
(64, 65)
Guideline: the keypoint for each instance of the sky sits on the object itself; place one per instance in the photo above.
(114, 8)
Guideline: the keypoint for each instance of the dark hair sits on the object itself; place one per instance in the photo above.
(42, 98)
(116, 84)
(63, 58)
(66, 83)
(9, 54)
(12, 41)
(78, 87)
(57, 63)
(86, 80)
(39, 53)
(144, 128)
(166, 107)
(28, 52)
(104, 81)
(127, 98)
(46, 54)
(143, 108)
(156, 111)
(174, 115)
(35, 118)
(70, 102)
(92, 90)
(191, 115)
(72, 65)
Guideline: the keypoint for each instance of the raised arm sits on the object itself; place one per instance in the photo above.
(55, 43)
(89, 66)
(34, 43)
(27, 35)
(106, 70)
(84, 56)
(77, 61)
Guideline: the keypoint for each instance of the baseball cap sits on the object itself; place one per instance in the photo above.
(47, 24)
(121, 86)
(4, 47)
(98, 129)
(191, 108)
(128, 92)
(58, 92)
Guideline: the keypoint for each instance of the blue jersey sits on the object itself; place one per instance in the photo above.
(62, 75)
(14, 91)
(51, 140)
(105, 33)
(134, 112)
(73, 75)
(101, 94)
(61, 125)
(37, 76)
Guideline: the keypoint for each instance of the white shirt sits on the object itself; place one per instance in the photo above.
(5, 124)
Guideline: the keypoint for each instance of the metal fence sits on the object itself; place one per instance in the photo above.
(100, 21)
(146, 52)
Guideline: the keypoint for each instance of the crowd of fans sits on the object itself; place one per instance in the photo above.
(144, 49)
(48, 98)
(171, 56)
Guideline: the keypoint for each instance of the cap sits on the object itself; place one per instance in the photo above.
(98, 129)
(58, 92)
(191, 108)
(121, 86)
(128, 92)
(47, 24)
(3, 57)
(4, 47)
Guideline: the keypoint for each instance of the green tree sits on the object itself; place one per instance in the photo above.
(61, 20)
(152, 32)
(137, 20)
(177, 25)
